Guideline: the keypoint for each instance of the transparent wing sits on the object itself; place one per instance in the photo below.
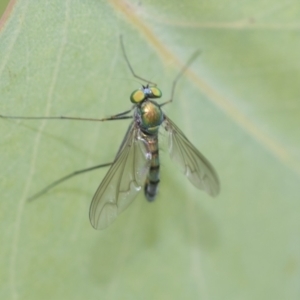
(123, 181)
(194, 165)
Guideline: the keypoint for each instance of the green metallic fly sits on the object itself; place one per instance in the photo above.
(137, 160)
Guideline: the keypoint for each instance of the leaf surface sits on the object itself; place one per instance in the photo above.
(239, 105)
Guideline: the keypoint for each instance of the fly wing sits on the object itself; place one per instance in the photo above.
(123, 181)
(194, 165)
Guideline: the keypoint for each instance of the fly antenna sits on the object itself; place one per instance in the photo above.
(130, 67)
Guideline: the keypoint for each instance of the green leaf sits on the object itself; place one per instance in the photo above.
(3, 5)
(239, 105)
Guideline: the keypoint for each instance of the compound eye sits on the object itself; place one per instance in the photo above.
(156, 92)
(137, 96)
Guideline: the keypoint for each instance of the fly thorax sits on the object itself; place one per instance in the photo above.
(151, 116)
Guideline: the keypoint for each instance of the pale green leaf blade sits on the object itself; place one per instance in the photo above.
(238, 104)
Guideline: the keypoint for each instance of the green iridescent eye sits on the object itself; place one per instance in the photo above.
(137, 96)
(156, 92)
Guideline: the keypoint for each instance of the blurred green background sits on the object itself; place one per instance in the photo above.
(239, 105)
(3, 4)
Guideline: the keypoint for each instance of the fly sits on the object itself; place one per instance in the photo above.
(136, 163)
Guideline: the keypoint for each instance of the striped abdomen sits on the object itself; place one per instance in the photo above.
(152, 181)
